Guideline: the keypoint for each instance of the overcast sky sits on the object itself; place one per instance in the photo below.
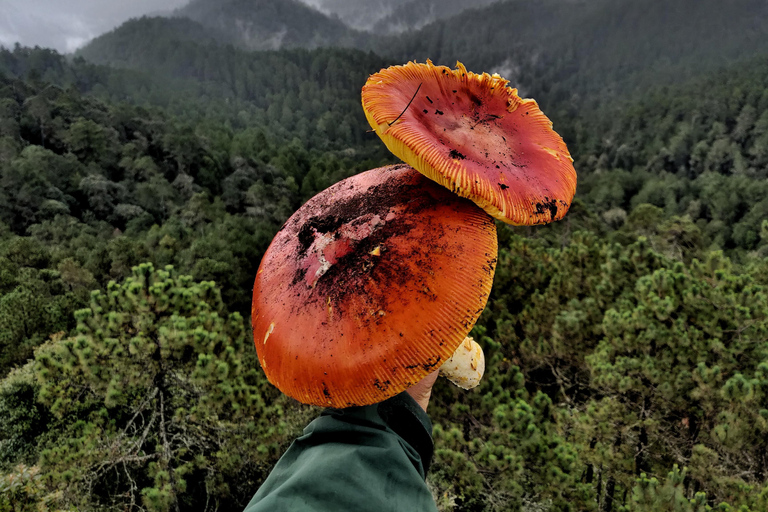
(65, 25)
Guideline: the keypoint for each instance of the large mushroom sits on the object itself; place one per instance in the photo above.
(370, 286)
(474, 135)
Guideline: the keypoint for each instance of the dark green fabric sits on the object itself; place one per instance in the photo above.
(371, 459)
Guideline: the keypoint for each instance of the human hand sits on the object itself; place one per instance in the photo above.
(422, 390)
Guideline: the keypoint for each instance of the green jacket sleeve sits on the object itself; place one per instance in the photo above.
(372, 458)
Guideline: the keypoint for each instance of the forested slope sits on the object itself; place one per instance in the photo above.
(698, 151)
(245, 24)
(272, 24)
(309, 95)
(125, 45)
(561, 52)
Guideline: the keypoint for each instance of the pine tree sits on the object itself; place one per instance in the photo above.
(159, 401)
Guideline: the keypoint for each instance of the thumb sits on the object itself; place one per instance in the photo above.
(422, 390)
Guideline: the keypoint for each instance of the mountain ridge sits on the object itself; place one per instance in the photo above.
(271, 24)
(563, 53)
(124, 46)
(597, 48)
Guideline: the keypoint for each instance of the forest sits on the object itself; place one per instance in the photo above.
(142, 179)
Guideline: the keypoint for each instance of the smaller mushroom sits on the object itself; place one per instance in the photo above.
(466, 366)
(475, 136)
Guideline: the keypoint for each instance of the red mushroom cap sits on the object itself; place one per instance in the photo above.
(474, 135)
(370, 286)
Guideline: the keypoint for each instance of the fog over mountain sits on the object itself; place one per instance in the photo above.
(66, 25)
(360, 14)
(392, 16)
(415, 14)
(270, 24)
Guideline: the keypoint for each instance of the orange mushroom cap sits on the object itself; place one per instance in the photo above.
(370, 286)
(474, 135)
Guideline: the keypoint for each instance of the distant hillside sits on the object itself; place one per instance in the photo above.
(131, 43)
(271, 24)
(697, 149)
(562, 50)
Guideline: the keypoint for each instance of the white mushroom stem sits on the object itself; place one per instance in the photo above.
(466, 366)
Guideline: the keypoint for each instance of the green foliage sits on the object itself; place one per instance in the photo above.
(157, 399)
(692, 150)
(604, 362)
(34, 302)
(23, 420)
(651, 496)
(622, 344)
(22, 490)
(498, 447)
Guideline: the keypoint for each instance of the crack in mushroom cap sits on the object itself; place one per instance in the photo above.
(371, 286)
(475, 136)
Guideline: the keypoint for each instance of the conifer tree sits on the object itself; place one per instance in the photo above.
(159, 402)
